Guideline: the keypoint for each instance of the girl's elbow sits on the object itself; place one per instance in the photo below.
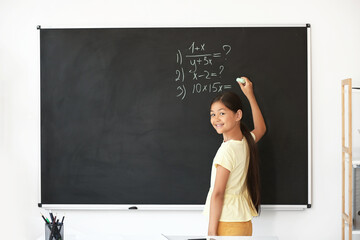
(260, 133)
(263, 129)
(218, 194)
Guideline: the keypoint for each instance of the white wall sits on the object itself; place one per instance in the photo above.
(335, 56)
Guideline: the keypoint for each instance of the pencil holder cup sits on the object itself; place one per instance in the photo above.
(54, 231)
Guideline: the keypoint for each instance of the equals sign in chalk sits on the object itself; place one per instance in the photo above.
(227, 86)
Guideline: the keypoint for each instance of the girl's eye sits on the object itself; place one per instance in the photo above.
(222, 114)
(212, 115)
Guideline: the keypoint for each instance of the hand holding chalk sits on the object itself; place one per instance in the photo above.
(240, 80)
(246, 86)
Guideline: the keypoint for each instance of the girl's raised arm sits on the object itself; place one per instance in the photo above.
(259, 123)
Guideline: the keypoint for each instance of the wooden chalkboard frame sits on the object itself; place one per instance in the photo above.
(199, 207)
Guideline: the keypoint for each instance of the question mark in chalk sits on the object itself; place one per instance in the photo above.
(227, 49)
(221, 69)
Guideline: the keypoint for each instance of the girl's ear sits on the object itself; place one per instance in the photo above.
(238, 115)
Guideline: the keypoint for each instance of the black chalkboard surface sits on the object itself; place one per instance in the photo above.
(125, 111)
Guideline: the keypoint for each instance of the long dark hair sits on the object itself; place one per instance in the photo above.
(232, 101)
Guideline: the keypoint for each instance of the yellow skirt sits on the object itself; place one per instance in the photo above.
(235, 228)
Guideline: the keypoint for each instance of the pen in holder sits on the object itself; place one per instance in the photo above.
(54, 231)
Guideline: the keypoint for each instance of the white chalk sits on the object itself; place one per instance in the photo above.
(241, 80)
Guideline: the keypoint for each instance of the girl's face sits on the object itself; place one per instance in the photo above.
(223, 119)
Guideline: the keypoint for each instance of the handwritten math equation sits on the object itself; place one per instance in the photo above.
(199, 71)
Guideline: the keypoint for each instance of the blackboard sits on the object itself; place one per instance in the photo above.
(125, 111)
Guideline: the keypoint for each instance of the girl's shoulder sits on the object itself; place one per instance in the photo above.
(231, 145)
(234, 147)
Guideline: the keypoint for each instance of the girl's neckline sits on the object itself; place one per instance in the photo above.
(234, 140)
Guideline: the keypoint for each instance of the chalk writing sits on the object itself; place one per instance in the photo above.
(200, 70)
(211, 87)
